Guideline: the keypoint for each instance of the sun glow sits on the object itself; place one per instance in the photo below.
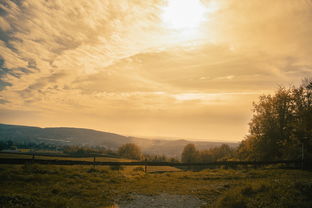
(183, 14)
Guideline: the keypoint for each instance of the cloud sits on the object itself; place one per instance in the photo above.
(279, 27)
(4, 84)
(43, 85)
(2, 101)
(41, 39)
(115, 64)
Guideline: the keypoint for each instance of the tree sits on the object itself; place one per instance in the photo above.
(220, 153)
(130, 150)
(223, 152)
(281, 123)
(206, 156)
(190, 154)
(157, 158)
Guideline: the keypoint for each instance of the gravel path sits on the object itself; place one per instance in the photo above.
(161, 201)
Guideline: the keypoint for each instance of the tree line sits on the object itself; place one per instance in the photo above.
(280, 129)
(222, 153)
(281, 126)
(13, 145)
(133, 151)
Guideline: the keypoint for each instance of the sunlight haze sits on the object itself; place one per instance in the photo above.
(176, 68)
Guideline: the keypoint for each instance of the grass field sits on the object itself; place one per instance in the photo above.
(90, 159)
(99, 159)
(82, 186)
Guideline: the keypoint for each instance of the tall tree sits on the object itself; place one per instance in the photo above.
(189, 154)
(281, 123)
(130, 150)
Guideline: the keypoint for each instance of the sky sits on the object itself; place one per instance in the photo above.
(150, 68)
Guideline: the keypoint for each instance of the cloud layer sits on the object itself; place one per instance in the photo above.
(117, 66)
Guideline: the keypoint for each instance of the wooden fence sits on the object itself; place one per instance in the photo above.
(303, 164)
(233, 164)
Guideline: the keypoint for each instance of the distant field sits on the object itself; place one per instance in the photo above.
(100, 159)
(53, 186)
(90, 159)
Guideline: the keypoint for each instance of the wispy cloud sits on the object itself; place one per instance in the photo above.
(116, 64)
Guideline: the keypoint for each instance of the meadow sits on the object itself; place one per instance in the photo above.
(60, 157)
(49, 186)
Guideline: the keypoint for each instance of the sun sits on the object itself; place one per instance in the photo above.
(183, 14)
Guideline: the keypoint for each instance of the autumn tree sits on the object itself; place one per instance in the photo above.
(220, 153)
(190, 154)
(130, 150)
(281, 123)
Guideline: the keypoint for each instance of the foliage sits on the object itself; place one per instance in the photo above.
(158, 158)
(12, 145)
(190, 154)
(220, 153)
(130, 151)
(69, 149)
(281, 124)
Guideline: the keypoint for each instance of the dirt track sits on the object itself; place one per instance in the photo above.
(161, 201)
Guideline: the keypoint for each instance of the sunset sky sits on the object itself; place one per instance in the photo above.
(151, 68)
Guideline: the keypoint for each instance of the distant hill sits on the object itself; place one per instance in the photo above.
(89, 137)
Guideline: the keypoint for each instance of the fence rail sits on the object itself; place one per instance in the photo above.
(295, 163)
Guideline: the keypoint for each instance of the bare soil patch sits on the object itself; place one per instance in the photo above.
(161, 201)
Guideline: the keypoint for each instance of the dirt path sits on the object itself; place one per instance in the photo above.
(161, 201)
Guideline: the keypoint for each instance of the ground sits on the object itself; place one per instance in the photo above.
(48, 186)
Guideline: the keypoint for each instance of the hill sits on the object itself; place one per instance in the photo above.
(88, 137)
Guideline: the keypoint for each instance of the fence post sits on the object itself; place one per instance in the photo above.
(302, 155)
(32, 158)
(94, 162)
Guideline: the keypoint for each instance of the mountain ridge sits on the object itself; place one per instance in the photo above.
(90, 137)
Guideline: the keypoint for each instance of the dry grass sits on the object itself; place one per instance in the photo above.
(83, 186)
(99, 159)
